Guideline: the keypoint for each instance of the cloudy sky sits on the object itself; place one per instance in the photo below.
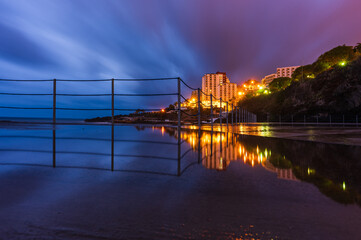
(91, 39)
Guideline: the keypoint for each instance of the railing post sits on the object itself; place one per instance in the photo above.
(220, 113)
(227, 114)
(236, 115)
(356, 120)
(199, 126)
(212, 110)
(232, 114)
(317, 119)
(304, 120)
(199, 146)
(343, 120)
(179, 126)
(199, 108)
(112, 148)
(292, 119)
(54, 122)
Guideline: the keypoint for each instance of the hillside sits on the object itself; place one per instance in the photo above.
(336, 90)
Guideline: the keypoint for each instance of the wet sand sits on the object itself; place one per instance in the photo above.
(78, 200)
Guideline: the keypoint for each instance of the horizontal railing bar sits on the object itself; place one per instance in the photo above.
(188, 166)
(32, 108)
(145, 94)
(91, 139)
(191, 115)
(188, 85)
(28, 94)
(26, 80)
(82, 109)
(90, 95)
(88, 80)
(144, 79)
(87, 168)
(186, 152)
(87, 153)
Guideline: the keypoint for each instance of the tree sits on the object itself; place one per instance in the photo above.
(170, 107)
(279, 84)
(138, 111)
(357, 48)
(334, 57)
(303, 72)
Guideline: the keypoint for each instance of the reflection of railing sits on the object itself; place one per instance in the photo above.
(57, 152)
(113, 108)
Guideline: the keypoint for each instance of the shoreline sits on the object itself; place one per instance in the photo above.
(350, 136)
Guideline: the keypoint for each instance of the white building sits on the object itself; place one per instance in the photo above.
(268, 79)
(227, 91)
(286, 71)
(219, 86)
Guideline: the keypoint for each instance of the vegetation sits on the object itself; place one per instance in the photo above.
(332, 84)
(338, 56)
(279, 84)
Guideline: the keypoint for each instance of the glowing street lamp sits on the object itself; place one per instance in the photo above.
(343, 63)
(162, 110)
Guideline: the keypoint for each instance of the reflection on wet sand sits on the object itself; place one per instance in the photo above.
(290, 160)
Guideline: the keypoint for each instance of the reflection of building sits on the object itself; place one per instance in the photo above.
(216, 153)
(286, 71)
(268, 79)
(219, 149)
(219, 86)
(281, 173)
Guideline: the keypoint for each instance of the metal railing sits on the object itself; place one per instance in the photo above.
(316, 119)
(238, 114)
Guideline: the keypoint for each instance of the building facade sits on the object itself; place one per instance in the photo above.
(227, 91)
(286, 71)
(268, 79)
(219, 86)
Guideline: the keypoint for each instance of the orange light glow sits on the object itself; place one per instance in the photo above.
(162, 110)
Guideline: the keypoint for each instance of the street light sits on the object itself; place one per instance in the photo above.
(343, 63)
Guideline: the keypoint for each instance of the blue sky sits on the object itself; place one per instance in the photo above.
(81, 39)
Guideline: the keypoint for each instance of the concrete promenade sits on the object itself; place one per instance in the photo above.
(348, 135)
